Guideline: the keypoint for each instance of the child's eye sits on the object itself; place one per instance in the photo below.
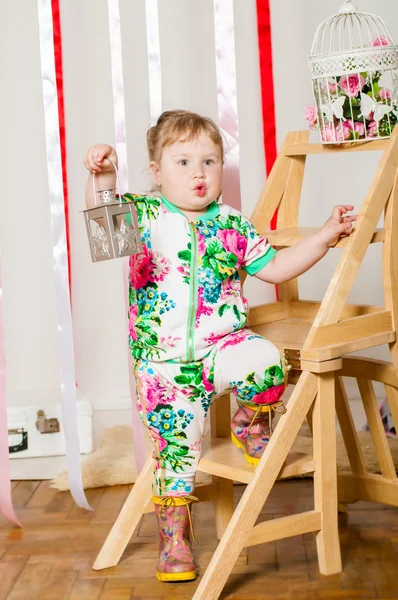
(183, 163)
(208, 162)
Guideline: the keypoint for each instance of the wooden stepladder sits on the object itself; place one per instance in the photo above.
(316, 338)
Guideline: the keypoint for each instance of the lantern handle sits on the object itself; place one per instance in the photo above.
(117, 184)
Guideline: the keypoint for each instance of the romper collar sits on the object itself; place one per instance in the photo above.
(213, 210)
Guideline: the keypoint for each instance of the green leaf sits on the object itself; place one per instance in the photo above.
(214, 247)
(228, 260)
(189, 369)
(181, 379)
(198, 379)
(236, 312)
(185, 255)
(251, 379)
(222, 309)
(160, 407)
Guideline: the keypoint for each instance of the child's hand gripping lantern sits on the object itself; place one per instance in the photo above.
(112, 225)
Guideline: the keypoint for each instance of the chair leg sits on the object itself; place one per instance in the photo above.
(348, 431)
(257, 491)
(223, 505)
(325, 476)
(128, 519)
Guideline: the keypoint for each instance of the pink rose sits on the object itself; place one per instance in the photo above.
(269, 396)
(209, 387)
(359, 128)
(154, 392)
(372, 129)
(202, 308)
(343, 132)
(230, 287)
(201, 244)
(356, 126)
(159, 266)
(132, 320)
(233, 242)
(328, 134)
(332, 87)
(382, 40)
(140, 268)
(309, 113)
(385, 94)
(352, 84)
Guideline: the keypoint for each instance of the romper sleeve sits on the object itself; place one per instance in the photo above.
(259, 251)
(147, 208)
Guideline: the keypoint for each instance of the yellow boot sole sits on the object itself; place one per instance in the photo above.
(187, 576)
(250, 459)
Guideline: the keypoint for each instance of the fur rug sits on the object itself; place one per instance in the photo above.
(113, 463)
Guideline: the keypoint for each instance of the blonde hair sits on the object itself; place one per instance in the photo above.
(180, 125)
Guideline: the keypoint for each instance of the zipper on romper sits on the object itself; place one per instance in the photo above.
(192, 295)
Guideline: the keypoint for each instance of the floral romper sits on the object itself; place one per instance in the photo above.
(187, 329)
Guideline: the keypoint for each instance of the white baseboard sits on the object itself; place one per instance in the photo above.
(46, 467)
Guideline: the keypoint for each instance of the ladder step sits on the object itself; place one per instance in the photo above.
(283, 238)
(283, 527)
(222, 458)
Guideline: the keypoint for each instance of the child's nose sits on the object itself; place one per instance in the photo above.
(199, 172)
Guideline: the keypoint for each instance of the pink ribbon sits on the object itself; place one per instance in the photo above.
(224, 31)
(6, 506)
(120, 138)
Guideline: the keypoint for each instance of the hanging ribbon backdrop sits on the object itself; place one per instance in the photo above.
(121, 148)
(224, 30)
(51, 62)
(51, 99)
(267, 92)
(6, 507)
(154, 66)
(267, 86)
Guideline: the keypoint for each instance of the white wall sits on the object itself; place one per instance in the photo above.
(189, 81)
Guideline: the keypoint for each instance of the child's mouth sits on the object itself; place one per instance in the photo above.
(200, 190)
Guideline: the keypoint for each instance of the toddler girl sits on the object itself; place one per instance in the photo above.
(188, 314)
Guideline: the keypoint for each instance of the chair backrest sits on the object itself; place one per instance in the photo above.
(282, 193)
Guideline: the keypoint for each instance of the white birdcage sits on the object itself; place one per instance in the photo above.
(354, 66)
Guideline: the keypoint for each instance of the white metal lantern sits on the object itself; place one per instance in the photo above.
(354, 67)
(112, 225)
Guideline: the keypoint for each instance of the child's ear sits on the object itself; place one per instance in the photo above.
(155, 171)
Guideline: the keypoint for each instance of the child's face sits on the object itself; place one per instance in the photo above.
(190, 173)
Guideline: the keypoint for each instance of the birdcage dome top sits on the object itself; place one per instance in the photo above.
(352, 41)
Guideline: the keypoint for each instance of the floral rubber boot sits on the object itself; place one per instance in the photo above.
(175, 561)
(251, 429)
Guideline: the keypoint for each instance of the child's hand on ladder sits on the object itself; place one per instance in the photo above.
(337, 225)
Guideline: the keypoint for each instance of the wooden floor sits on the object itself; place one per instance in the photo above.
(51, 558)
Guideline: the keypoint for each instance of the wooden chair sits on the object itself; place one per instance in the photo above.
(315, 337)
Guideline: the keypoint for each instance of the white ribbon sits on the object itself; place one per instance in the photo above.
(6, 506)
(60, 258)
(121, 148)
(224, 30)
(154, 66)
